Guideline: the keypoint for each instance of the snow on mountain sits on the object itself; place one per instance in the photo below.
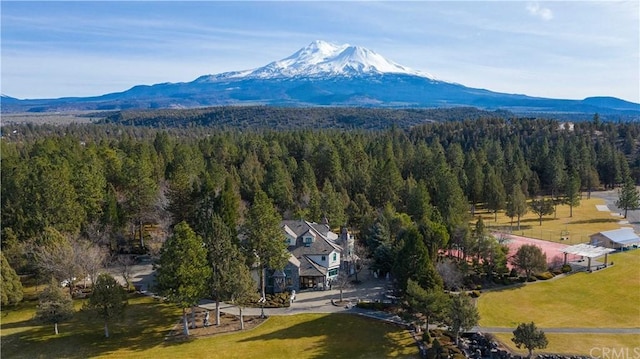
(322, 59)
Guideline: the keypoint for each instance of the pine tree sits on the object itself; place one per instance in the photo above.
(516, 204)
(54, 305)
(414, 262)
(572, 192)
(108, 300)
(527, 335)
(11, 290)
(224, 258)
(462, 315)
(433, 304)
(183, 272)
(265, 239)
(628, 196)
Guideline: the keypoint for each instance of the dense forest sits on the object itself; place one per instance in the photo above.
(291, 118)
(124, 187)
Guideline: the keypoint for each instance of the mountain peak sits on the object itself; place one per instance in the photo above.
(325, 59)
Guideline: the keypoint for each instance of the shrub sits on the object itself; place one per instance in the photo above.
(567, 268)
(532, 279)
(426, 337)
(544, 275)
(474, 294)
(374, 305)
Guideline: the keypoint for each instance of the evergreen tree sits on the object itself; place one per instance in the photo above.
(141, 187)
(11, 290)
(265, 240)
(494, 194)
(54, 305)
(572, 191)
(183, 271)
(224, 258)
(433, 304)
(108, 300)
(413, 262)
(516, 204)
(462, 315)
(279, 185)
(242, 288)
(475, 180)
(527, 335)
(628, 196)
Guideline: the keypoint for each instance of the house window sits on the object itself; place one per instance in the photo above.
(289, 277)
(324, 258)
(333, 272)
(335, 257)
(307, 241)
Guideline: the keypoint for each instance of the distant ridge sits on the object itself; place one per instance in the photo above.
(325, 74)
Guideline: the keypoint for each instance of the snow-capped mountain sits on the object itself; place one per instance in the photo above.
(321, 58)
(323, 74)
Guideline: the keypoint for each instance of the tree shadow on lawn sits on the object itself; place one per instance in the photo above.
(342, 335)
(143, 326)
(596, 220)
(537, 220)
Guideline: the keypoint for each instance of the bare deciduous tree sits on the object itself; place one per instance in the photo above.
(451, 275)
(125, 262)
(92, 258)
(342, 282)
(59, 257)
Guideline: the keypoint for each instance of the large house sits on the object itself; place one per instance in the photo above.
(316, 256)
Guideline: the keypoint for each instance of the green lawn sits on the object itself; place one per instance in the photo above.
(586, 221)
(603, 299)
(142, 335)
(582, 344)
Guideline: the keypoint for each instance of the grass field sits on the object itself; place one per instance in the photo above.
(585, 344)
(143, 331)
(603, 299)
(586, 220)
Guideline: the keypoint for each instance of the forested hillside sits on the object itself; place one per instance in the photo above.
(112, 184)
(292, 118)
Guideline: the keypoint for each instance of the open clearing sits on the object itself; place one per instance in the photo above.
(603, 299)
(143, 334)
(582, 344)
(586, 220)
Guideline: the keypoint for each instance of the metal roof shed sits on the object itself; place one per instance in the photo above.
(617, 238)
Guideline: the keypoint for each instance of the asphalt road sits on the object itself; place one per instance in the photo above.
(610, 198)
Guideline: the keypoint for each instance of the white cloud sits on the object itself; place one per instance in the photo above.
(542, 12)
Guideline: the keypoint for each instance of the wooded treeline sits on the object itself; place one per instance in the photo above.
(124, 187)
(294, 118)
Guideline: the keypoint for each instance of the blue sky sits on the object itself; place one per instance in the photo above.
(570, 49)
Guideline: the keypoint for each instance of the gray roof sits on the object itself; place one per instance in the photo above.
(622, 236)
(309, 268)
(322, 245)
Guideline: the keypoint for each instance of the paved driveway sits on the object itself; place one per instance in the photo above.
(610, 198)
(319, 301)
